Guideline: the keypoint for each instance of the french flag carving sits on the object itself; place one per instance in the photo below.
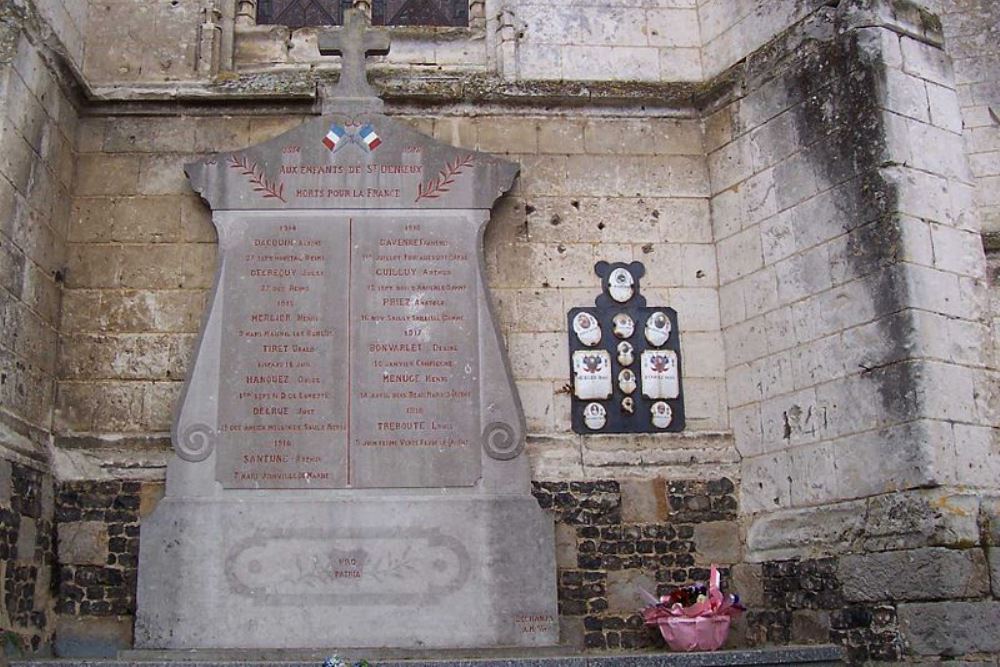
(334, 136)
(367, 134)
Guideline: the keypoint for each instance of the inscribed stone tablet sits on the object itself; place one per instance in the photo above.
(414, 349)
(351, 349)
(284, 392)
(350, 342)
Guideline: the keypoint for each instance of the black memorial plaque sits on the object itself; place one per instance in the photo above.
(625, 359)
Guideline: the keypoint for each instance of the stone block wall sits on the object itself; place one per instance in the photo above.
(37, 130)
(904, 583)
(858, 344)
(970, 29)
(784, 206)
(804, 601)
(648, 41)
(645, 41)
(617, 190)
(142, 257)
(132, 41)
(814, 225)
(731, 29)
(612, 538)
(846, 252)
(67, 19)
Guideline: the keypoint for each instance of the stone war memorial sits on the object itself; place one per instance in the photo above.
(350, 444)
(415, 330)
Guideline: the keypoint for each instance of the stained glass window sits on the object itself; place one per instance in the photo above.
(300, 13)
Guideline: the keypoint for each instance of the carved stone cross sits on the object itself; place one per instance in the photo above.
(354, 42)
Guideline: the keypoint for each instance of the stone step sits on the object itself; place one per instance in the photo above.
(816, 656)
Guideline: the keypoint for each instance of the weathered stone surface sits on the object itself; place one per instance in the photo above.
(83, 542)
(921, 518)
(150, 495)
(26, 552)
(644, 500)
(993, 558)
(906, 520)
(4, 615)
(717, 542)
(810, 626)
(623, 591)
(917, 574)
(5, 482)
(566, 549)
(805, 532)
(93, 637)
(951, 628)
(27, 537)
(241, 562)
(748, 581)
(990, 509)
(571, 632)
(106, 585)
(594, 503)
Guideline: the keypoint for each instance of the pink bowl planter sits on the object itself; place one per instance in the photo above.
(702, 633)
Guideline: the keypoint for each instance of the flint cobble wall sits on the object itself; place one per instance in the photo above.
(27, 557)
(612, 538)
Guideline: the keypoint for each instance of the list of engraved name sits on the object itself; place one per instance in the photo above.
(351, 352)
(415, 348)
(286, 416)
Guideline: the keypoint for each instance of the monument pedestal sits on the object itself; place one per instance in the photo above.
(436, 571)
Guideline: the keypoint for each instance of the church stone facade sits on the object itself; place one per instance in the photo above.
(812, 186)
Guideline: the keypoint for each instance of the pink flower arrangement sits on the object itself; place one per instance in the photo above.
(694, 618)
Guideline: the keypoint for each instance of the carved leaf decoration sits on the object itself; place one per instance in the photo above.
(259, 181)
(438, 185)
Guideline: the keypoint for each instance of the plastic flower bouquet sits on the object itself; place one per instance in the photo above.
(694, 618)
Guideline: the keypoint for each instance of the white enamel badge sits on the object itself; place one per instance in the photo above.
(661, 414)
(626, 381)
(621, 285)
(595, 416)
(587, 329)
(592, 374)
(659, 374)
(658, 329)
(626, 353)
(623, 326)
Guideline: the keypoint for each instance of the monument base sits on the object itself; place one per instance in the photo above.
(814, 655)
(409, 571)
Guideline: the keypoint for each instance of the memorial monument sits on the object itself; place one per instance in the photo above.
(349, 466)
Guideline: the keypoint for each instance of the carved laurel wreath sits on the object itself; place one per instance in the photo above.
(258, 179)
(439, 185)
